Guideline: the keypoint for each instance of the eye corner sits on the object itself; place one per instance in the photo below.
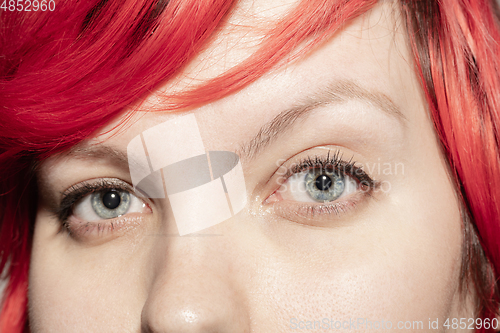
(274, 197)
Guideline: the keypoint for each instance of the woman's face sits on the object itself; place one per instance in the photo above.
(350, 217)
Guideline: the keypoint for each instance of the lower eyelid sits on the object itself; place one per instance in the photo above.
(318, 214)
(104, 230)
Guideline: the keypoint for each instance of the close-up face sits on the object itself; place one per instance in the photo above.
(348, 212)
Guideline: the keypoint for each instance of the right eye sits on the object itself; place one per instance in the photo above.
(107, 204)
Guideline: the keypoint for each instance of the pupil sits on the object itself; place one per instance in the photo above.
(323, 183)
(111, 199)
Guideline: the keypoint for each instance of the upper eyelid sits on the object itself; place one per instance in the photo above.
(343, 165)
(80, 190)
(98, 183)
(336, 162)
(297, 166)
(302, 167)
(348, 167)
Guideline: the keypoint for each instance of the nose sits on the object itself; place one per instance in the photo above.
(194, 291)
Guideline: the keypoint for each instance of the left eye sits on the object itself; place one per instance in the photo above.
(107, 204)
(317, 185)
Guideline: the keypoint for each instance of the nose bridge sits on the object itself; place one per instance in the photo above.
(204, 187)
(193, 290)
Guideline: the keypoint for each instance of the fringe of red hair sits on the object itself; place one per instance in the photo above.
(457, 54)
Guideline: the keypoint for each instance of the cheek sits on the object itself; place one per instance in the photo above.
(379, 273)
(399, 260)
(94, 288)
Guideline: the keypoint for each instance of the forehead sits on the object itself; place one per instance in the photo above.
(370, 50)
(241, 35)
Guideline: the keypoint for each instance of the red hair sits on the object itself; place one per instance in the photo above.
(457, 52)
(64, 74)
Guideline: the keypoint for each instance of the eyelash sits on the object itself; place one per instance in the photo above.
(335, 162)
(77, 192)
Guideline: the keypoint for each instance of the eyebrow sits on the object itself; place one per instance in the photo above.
(99, 152)
(337, 92)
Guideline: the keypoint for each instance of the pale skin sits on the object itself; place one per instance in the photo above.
(392, 256)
